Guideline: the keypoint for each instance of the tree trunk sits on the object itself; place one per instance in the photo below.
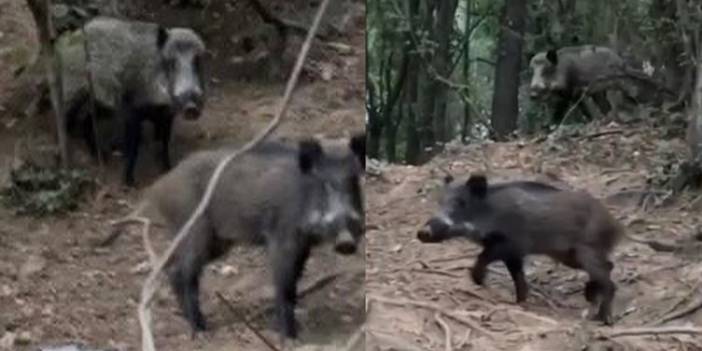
(413, 142)
(505, 104)
(465, 125)
(413, 149)
(446, 12)
(427, 97)
(374, 125)
(694, 129)
(391, 140)
(41, 11)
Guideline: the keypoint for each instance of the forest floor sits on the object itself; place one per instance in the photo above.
(420, 296)
(57, 287)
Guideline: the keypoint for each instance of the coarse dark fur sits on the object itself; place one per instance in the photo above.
(563, 75)
(516, 219)
(277, 195)
(140, 72)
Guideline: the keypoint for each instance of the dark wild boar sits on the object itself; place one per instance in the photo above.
(288, 197)
(564, 74)
(141, 72)
(515, 219)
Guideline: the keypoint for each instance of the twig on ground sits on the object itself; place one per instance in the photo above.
(151, 284)
(465, 340)
(318, 284)
(246, 323)
(475, 294)
(667, 314)
(436, 271)
(355, 338)
(434, 308)
(449, 259)
(533, 315)
(689, 310)
(398, 342)
(447, 331)
(652, 331)
(602, 133)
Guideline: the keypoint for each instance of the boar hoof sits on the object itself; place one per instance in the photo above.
(478, 276)
(606, 319)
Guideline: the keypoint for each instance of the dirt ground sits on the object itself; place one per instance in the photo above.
(420, 296)
(57, 288)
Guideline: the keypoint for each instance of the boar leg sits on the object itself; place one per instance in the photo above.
(561, 107)
(497, 248)
(599, 268)
(132, 139)
(592, 290)
(191, 257)
(288, 261)
(163, 125)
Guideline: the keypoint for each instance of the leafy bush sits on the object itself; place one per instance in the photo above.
(38, 191)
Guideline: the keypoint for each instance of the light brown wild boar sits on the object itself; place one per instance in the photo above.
(515, 219)
(289, 198)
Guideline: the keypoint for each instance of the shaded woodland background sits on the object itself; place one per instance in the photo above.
(457, 70)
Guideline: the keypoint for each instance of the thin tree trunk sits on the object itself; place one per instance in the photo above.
(413, 146)
(427, 97)
(375, 127)
(505, 104)
(446, 12)
(41, 11)
(465, 125)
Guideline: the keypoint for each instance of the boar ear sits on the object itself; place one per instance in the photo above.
(552, 56)
(161, 37)
(477, 185)
(309, 154)
(358, 146)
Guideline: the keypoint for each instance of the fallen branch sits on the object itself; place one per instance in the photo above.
(602, 133)
(447, 331)
(434, 308)
(246, 323)
(435, 271)
(668, 316)
(355, 338)
(151, 284)
(316, 285)
(652, 331)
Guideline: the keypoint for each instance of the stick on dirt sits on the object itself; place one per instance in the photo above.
(246, 323)
(652, 331)
(447, 331)
(405, 303)
(151, 284)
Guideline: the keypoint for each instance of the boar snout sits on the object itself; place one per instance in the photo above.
(433, 231)
(345, 243)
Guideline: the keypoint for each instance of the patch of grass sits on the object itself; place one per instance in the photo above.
(37, 191)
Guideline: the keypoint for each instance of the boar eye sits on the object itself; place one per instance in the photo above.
(461, 203)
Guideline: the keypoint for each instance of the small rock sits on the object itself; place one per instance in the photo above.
(228, 271)
(33, 265)
(141, 268)
(6, 291)
(7, 341)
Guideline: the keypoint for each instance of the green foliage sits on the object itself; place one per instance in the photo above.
(641, 30)
(37, 191)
